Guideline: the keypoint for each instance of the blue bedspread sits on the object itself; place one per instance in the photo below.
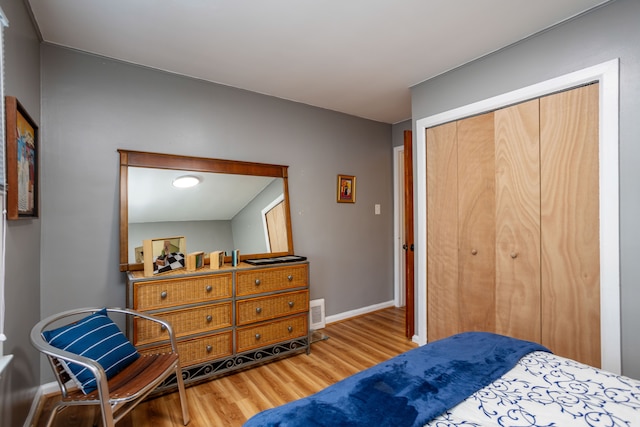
(407, 390)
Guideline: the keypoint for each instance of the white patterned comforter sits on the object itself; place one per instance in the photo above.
(548, 390)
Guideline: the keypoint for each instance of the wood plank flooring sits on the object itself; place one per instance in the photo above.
(353, 345)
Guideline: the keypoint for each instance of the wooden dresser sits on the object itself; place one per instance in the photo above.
(224, 319)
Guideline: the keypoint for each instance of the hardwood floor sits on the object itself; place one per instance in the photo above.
(353, 345)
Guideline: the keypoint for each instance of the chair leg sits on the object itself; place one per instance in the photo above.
(52, 415)
(183, 396)
(107, 414)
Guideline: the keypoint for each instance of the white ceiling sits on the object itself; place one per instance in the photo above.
(359, 57)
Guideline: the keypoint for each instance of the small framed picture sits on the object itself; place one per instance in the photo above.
(163, 255)
(216, 260)
(346, 189)
(22, 153)
(195, 261)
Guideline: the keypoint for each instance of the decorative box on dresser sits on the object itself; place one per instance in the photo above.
(224, 319)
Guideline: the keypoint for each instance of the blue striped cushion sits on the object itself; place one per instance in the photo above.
(98, 338)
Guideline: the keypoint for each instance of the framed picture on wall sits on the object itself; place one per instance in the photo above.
(346, 189)
(21, 161)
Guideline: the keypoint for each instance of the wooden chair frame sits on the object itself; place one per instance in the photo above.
(119, 395)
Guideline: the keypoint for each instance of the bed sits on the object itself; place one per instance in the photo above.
(470, 379)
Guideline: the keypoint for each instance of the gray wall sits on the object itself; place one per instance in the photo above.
(397, 132)
(92, 106)
(604, 34)
(22, 271)
(248, 226)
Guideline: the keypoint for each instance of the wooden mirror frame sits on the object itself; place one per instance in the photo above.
(196, 164)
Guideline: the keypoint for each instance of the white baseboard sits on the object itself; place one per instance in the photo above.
(50, 388)
(359, 311)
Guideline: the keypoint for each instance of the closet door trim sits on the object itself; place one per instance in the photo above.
(606, 74)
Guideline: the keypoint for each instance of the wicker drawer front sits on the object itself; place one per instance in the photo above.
(269, 333)
(184, 322)
(171, 292)
(199, 350)
(265, 308)
(271, 279)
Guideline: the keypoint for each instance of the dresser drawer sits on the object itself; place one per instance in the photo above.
(251, 337)
(265, 308)
(184, 322)
(253, 282)
(198, 350)
(151, 295)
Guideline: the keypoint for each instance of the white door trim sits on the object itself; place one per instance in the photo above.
(399, 297)
(607, 74)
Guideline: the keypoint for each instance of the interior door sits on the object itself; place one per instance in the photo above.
(476, 223)
(570, 226)
(442, 232)
(518, 221)
(408, 232)
(276, 228)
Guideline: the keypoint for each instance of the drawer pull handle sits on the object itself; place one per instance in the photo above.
(163, 328)
(257, 337)
(257, 282)
(291, 304)
(209, 318)
(163, 294)
(258, 310)
(290, 328)
(209, 348)
(290, 277)
(209, 288)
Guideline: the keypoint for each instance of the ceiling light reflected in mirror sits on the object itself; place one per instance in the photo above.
(186, 181)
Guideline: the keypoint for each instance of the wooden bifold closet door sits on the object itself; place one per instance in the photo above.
(513, 224)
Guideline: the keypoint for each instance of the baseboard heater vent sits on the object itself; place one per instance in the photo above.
(316, 313)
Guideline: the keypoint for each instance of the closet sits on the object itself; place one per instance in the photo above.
(513, 224)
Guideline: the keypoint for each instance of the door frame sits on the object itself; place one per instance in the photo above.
(399, 297)
(607, 75)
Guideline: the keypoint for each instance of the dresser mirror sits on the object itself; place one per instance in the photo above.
(236, 205)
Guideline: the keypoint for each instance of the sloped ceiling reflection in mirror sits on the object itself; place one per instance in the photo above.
(152, 198)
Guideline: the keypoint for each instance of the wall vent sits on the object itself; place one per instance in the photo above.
(316, 313)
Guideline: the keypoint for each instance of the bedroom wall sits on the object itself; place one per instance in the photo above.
(22, 261)
(601, 35)
(397, 132)
(91, 106)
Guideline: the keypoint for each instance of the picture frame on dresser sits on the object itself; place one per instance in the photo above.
(163, 255)
(22, 161)
(195, 261)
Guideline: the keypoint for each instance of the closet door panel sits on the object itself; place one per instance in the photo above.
(517, 177)
(570, 224)
(442, 232)
(476, 223)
